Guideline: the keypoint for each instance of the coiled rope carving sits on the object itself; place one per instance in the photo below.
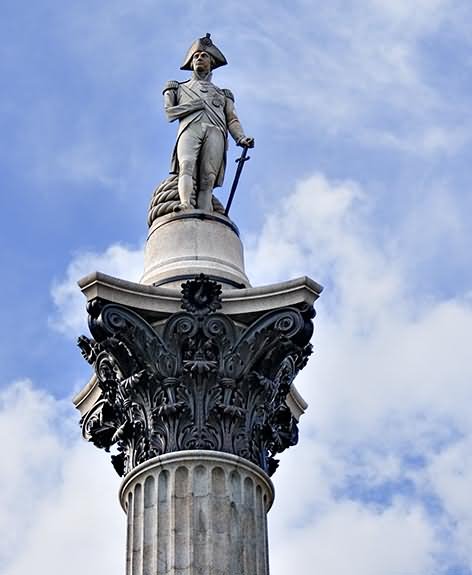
(166, 198)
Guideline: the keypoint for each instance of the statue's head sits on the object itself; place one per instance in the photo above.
(203, 53)
(202, 62)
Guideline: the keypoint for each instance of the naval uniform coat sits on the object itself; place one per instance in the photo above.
(183, 103)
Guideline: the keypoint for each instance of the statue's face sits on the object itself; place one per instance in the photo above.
(201, 62)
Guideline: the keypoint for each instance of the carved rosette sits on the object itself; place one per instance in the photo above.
(198, 381)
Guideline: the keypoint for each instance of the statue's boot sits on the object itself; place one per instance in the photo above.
(185, 187)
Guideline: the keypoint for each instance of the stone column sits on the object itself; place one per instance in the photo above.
(193, 395)
(197, 513)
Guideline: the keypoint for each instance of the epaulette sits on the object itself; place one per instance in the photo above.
(228, 94)
(170, 85)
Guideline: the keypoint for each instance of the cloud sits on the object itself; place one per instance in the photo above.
(320, 227)
(117, 260)
(448, 478)
(360, 72)
(371, 314)
(59, 511)
(387, 449)
(352, 539)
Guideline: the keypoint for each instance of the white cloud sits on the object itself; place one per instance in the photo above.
(323, 224)
(449, 477)
(424, 14)
(429, 140)
(357, 70)
(119, 261)
(396, 348)
(388, 392)
(58, 498)
(354, 540)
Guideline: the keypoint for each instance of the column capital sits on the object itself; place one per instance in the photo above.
(198, 380)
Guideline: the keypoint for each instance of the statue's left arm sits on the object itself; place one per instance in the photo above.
(233, 123)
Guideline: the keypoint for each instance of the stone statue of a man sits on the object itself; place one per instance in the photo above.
(206, 114)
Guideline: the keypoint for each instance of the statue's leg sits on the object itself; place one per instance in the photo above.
(211, 155)
(187, 152)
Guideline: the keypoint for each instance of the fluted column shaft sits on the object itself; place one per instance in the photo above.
(197, 513)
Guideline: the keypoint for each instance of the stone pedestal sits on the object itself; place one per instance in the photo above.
(183, 245)
(197, 513)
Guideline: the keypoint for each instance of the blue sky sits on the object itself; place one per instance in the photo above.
(360, 178)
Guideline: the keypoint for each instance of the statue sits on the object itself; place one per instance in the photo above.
(206, 114)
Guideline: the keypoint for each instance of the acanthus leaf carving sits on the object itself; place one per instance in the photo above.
(197, 381)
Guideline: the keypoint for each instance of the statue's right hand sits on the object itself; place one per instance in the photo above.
(199, 104)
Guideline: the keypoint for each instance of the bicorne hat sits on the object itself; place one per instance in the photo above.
(204, 45)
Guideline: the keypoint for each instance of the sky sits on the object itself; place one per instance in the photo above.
(360, 179)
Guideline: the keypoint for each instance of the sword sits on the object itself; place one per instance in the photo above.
(240, 161)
